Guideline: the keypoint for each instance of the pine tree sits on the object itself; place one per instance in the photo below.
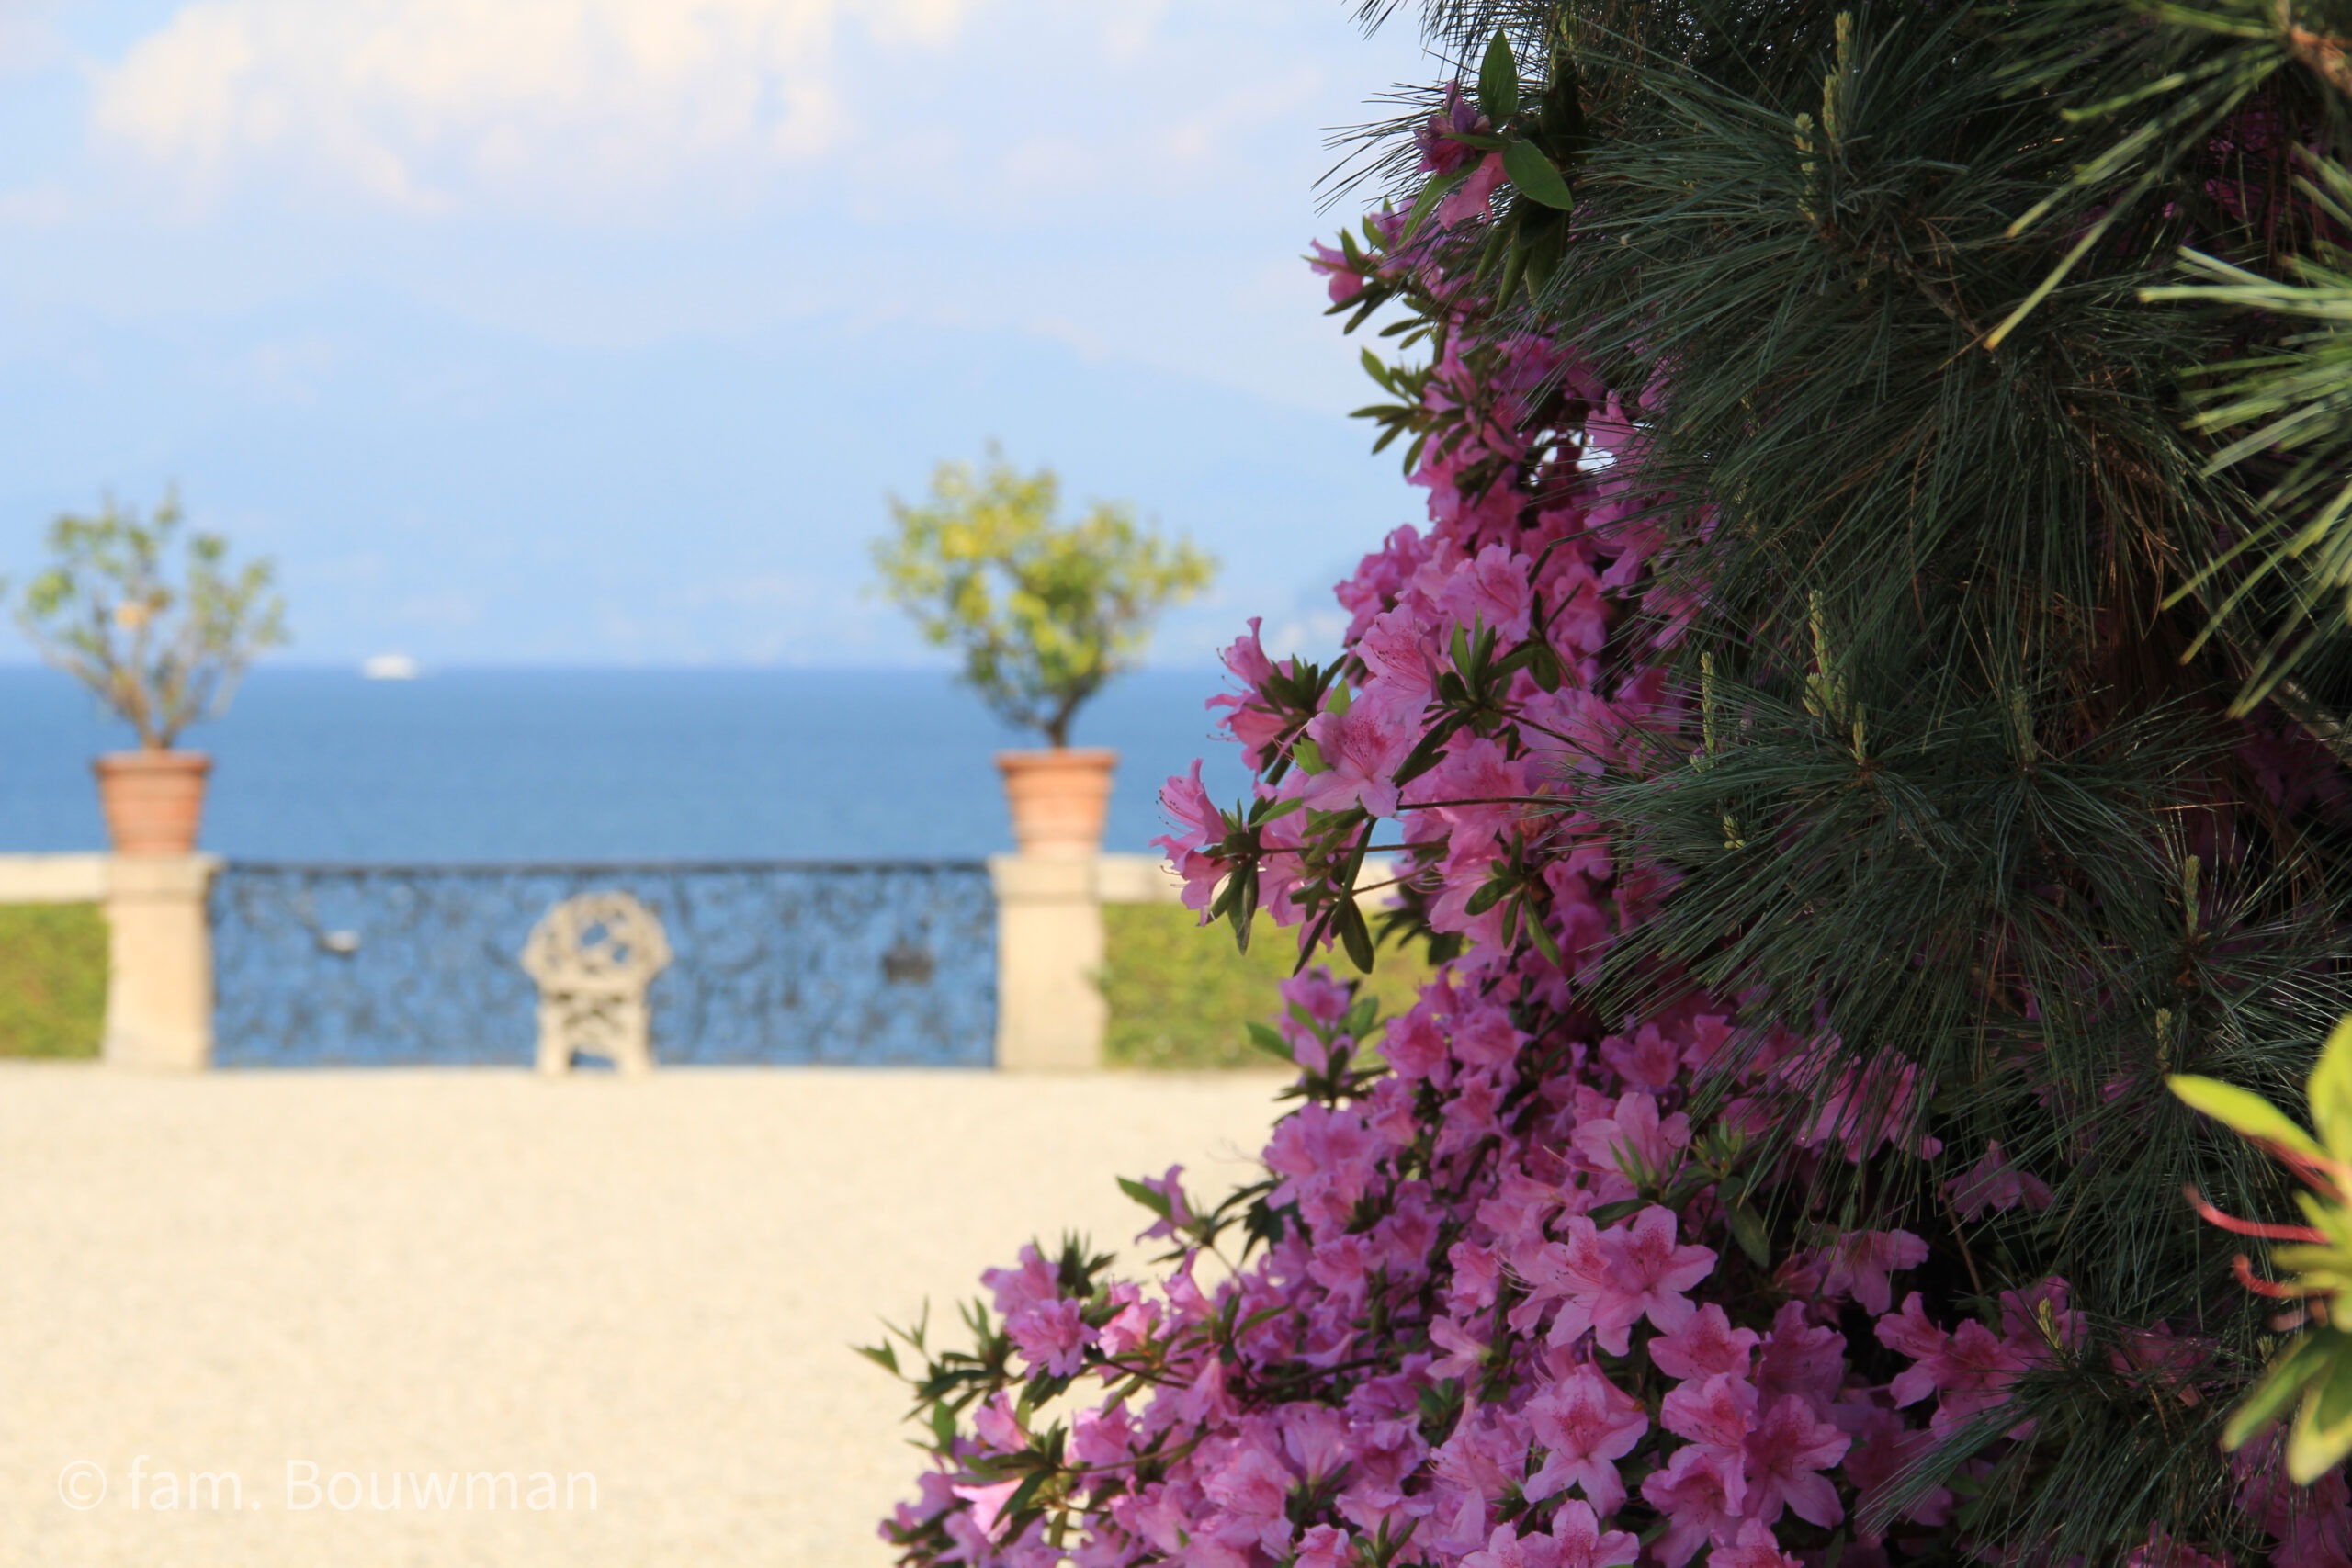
(1994, 363)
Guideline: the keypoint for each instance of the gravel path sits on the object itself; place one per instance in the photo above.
(406, 1275)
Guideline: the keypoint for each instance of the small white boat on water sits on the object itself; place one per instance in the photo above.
(389, 667)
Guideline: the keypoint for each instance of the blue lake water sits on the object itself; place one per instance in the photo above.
(538, 765)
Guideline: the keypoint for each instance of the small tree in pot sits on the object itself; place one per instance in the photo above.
(1043, 614)
(159, 626)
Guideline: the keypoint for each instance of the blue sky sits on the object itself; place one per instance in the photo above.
(580, 332)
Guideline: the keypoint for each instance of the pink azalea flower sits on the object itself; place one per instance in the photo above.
(1882, 1448)
(1696, 1492)
(1483, 1037)
(1316, 994)
(1258, 729)
(1053, 1337)
(1969, 1370)
(1786, 1451)
(1865, 1107)
(1248, 718)
(1476, 789)
(1246, 658)
(1316, 1437)
(1632, 1141)
(1202, 874)
(1132, 1327)
(1753, 1547)
(1346, 283)
(988, 1504)
(1493, 592)
(1648, 1061)
(1861, 1261)
(1477, 1276)
(1579, 1541)
(1362, 748)
(1586, 1424)
(2022, 1320)
(1472, 1117)
(1414, 1044)
(1504, 1549)
(1993, 1183)
(1324, 1546)
(1572, 1273)
(1465, 1353)
(996, 1425)
(937, 1494)
(1441, 153)
(1716, 1413)
(1253, 1490)
(1576, 1541)
(1017, 1290)
(1325, 1157)
(1801, 1359)
(1708, 1344)
(1648, 1274)
(1169, 1186)
(1470, 198)
(1187, 800)
(1395, 649)
(1102, 1437)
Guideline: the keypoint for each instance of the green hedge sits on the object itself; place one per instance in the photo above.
(52, 979)
(1180, 996)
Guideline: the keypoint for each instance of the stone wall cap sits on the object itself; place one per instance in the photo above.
(159, 877)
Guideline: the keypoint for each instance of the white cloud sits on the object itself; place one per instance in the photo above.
(427, 102)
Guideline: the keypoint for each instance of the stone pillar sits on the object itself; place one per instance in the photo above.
(1049, 1006)
(159, 971)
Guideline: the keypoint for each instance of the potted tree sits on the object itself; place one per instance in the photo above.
(158, 626)
(1043, 614)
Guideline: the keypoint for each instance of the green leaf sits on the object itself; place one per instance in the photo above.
(2322, 1433)
(1545, 943)
(1747, 1229)
(1499, 81)
(1426, 203)
(2331, 1091)
(1355, 937)
(1535, 176)
(1156, 1201)
(1269, 1039)
(2305, 1360)
(2242, 1111)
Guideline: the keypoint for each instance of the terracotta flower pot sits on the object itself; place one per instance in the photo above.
(152, 800)
(1059, 798)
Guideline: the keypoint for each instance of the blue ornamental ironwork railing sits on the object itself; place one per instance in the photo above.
(873, 963)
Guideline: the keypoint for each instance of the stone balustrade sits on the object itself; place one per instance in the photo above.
(1050, 1008)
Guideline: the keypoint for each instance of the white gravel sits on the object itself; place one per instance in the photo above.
(407, 1274)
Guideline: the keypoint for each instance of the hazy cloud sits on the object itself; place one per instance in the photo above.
(425, 103)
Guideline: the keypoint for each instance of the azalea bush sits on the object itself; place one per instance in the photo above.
(1806, 736)
(1044, 613)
